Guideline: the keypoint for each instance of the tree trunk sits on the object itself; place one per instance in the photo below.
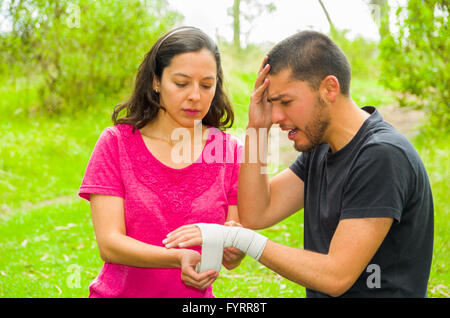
(332, 28)
(237, 24)
(379, 10)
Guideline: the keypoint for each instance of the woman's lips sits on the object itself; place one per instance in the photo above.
(191, 112)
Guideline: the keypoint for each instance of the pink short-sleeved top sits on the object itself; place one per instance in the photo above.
(157, 200)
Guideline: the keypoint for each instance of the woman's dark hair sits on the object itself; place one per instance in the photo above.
(143, 105)
(311, 56)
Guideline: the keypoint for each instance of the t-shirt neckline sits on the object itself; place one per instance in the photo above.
(145, 149)
(374, 116)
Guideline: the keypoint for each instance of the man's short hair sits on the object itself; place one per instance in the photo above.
(311, 56)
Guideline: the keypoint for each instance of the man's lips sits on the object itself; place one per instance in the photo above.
(292, 131)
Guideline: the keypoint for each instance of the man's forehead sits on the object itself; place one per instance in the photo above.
(282, 84)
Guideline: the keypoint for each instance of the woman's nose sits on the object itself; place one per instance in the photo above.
(194, 94)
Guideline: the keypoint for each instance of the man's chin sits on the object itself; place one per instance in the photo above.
(303, 147)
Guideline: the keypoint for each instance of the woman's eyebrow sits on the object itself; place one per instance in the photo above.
(187, 76)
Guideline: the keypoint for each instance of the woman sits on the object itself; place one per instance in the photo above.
(140, 190)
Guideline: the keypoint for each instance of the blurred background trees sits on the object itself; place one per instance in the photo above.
(64, 64)
(246, 11)
(74, 52)
(415, 58)
(64, 55)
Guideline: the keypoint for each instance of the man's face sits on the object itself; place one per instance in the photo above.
(298, 109)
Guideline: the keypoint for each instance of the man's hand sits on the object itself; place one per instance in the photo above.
(232, 257)
(260, 110)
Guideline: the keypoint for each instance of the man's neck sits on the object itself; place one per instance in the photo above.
(346, 120)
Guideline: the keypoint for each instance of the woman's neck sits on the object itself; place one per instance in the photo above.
(164, 128)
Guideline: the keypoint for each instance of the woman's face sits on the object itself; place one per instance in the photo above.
(187, 87)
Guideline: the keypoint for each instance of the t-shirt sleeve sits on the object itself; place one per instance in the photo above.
(299, 166)
(102, 174)
(233, 189)
(377, 186)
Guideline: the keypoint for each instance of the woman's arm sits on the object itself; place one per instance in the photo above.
(190, 235)
(116, 247)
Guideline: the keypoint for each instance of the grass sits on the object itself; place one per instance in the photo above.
(49, 252)
(48, 247)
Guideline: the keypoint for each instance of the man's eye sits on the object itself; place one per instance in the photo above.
(285, 103)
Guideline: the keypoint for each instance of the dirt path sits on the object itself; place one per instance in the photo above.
(403, 119)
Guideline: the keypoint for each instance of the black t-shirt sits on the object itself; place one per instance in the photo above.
(377, 174)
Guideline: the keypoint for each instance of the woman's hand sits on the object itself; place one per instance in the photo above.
(184, 236)
(188, 261)
(232, 257)
(260, 110)
(190, 235)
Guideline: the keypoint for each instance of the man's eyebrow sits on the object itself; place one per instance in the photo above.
(187, 76)
(276, 97)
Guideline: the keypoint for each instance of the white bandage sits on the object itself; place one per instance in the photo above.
(216, 237)
(212, 247)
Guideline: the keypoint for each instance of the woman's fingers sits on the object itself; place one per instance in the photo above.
(200, 281)
(189, 236)
(182, 228)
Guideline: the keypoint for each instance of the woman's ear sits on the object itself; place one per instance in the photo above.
(156, 84)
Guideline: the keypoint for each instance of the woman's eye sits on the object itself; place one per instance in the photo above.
(180, 84)
(207, 86)
(286, 103)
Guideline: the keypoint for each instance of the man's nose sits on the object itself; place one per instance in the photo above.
(277, 114)
(194, 94)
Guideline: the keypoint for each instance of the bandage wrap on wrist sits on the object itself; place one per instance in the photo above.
(216, 237)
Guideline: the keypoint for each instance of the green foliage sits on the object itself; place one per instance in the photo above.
(48, 244)
(361, 53)
(78, 50)
(415, 61)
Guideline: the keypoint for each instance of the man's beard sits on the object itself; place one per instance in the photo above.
(315, 130)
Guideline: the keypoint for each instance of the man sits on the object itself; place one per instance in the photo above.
(368, 208)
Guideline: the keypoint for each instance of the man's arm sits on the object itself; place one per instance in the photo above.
(262, 203)
(353, 245)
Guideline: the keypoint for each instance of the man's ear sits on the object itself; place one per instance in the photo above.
(329, 88)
